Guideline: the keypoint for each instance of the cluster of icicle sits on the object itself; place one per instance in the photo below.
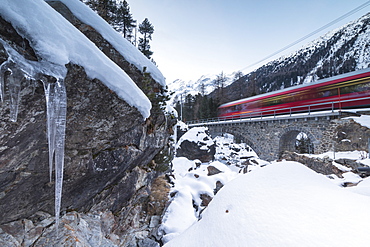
(17, 72)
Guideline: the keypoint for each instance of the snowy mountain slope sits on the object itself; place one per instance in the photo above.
(58, 42)
(340, 51)
(181, 88)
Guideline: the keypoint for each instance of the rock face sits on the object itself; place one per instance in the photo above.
(324, 166)
(352, 136)
(108, 147)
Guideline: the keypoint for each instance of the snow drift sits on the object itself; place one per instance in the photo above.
(282, 204)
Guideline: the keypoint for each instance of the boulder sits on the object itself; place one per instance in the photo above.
(195, 150)
(108, 149)
(212, 170)
(324, 166)
(352, 136)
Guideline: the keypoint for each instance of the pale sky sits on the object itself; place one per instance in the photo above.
(200, 37)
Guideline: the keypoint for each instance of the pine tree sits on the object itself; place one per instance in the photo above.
(201, 87)
(105, 8)
(124, 22)
(238, 75)
(219, 84)
(220, 81)
(146, 29)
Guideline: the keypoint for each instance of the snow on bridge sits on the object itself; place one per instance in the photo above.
(270, 136)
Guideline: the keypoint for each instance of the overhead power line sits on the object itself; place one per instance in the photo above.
(312, 33)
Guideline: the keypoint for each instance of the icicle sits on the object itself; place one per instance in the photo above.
(49, 89)
(2, 81)
(60, 126)
(13, 76)
(56, 107)
(14, 81)
(14, 73)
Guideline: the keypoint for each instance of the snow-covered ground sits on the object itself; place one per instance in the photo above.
(272, 204)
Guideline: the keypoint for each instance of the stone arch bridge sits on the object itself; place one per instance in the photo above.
(269, 137)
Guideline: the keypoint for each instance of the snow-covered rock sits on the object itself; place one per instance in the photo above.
(196, 144)
(106, 135)
(283, 204)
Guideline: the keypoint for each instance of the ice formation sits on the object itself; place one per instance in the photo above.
(14, 73)
(57, 42)
(56, 107)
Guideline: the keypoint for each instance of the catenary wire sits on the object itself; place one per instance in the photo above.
(311, 34)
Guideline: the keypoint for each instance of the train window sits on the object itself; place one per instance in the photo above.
(244, 106)
(272, 101)
(355, 88)
(325, 92)
(366, 86)
(363, 87)
(345, 90)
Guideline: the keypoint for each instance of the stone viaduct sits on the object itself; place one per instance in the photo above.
(271, 136)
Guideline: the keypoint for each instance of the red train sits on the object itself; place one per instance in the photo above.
(348, 90)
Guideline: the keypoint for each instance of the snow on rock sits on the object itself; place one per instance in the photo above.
(197, 135)
(182, 126)
(363, 120)
(191, 181)
(363, 188)
(196, 144)
(282, 204)
(194, 184)
(58, 42)
(124, 47)
(354, 155)
(228, 150)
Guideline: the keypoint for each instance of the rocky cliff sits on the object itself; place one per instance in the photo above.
(110, 154)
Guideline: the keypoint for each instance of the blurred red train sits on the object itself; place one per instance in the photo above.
(348, 90)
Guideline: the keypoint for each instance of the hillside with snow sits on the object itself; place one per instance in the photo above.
(203, 85)
(340, 51)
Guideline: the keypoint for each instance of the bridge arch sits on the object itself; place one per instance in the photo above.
(240, 138)
(288, 138)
